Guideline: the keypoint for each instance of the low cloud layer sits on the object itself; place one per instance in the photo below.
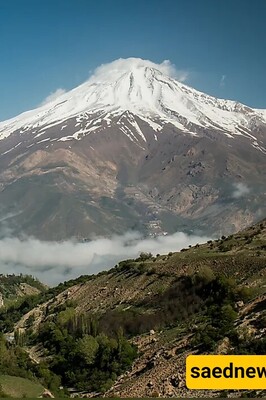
(240, 190)
(54, 262)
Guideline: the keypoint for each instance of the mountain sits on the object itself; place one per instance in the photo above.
(132, 148)
(206, 299)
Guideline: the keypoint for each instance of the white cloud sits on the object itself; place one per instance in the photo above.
(222, 81)
(240, 190)
(106, 71)
(53, 96)
(54, 262)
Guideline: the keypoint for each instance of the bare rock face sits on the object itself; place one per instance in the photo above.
(47, 394)
(134, 149)
(1, 300)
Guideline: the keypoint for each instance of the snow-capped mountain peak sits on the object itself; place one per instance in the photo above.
(132, 148)
(144, 89)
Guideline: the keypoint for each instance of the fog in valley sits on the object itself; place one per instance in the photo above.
(54, 262)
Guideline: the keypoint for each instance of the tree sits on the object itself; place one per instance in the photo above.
(87, 348)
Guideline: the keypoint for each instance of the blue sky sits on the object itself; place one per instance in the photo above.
(50, 44)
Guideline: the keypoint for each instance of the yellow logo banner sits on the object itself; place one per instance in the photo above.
(226, 372)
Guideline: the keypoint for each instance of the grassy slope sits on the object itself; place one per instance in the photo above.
(13, 287)
(19, 387)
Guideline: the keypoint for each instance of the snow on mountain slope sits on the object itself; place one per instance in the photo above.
(143, 89)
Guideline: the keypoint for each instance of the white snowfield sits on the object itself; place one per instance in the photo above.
(145, 90)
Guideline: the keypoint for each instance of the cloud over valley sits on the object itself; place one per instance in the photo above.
(54, 262)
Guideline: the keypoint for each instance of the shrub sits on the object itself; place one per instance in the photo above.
(144, 256)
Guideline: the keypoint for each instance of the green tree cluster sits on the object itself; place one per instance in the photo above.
(85, 361)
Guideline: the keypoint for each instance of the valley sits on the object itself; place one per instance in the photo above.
(205, 299)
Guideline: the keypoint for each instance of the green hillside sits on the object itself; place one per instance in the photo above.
(14, 386)
(13, 287)
(126, 332)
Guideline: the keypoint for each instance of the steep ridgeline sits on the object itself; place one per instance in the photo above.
(132, 148)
